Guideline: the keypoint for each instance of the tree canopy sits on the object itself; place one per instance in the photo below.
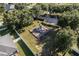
(17, 18)
(61, 42)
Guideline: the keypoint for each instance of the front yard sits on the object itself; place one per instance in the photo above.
(30, 40)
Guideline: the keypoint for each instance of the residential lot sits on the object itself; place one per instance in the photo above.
(40, 29)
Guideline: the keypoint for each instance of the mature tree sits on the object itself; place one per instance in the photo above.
(8, 20)
(75, 21)
(69, 19)
(61, 42)
(36, 10)
(1, 8)
(19, 6)
(17, 19)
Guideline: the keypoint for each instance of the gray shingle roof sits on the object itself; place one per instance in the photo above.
(3, 54)
(7, 47)
(9, 6)
(7, 50)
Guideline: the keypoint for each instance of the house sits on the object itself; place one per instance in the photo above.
(39, 31)
(7, 47)
(9, 6)
(51, 20)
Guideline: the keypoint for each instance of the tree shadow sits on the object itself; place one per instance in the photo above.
(54, 43)
(26, 50)
(50, 42)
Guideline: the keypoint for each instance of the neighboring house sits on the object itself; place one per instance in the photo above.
(49, 20)
(7, 47)
(9, 6)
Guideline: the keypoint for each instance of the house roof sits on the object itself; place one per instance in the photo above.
(9, 6)
(6, 51)
(39, 31)
(51, 20)
(7, 47)
(3, 54)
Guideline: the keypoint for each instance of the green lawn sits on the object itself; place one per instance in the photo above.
(31, 42)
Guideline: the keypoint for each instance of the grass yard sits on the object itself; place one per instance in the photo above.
(31, 42)
(29, 39)
(35, 24)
